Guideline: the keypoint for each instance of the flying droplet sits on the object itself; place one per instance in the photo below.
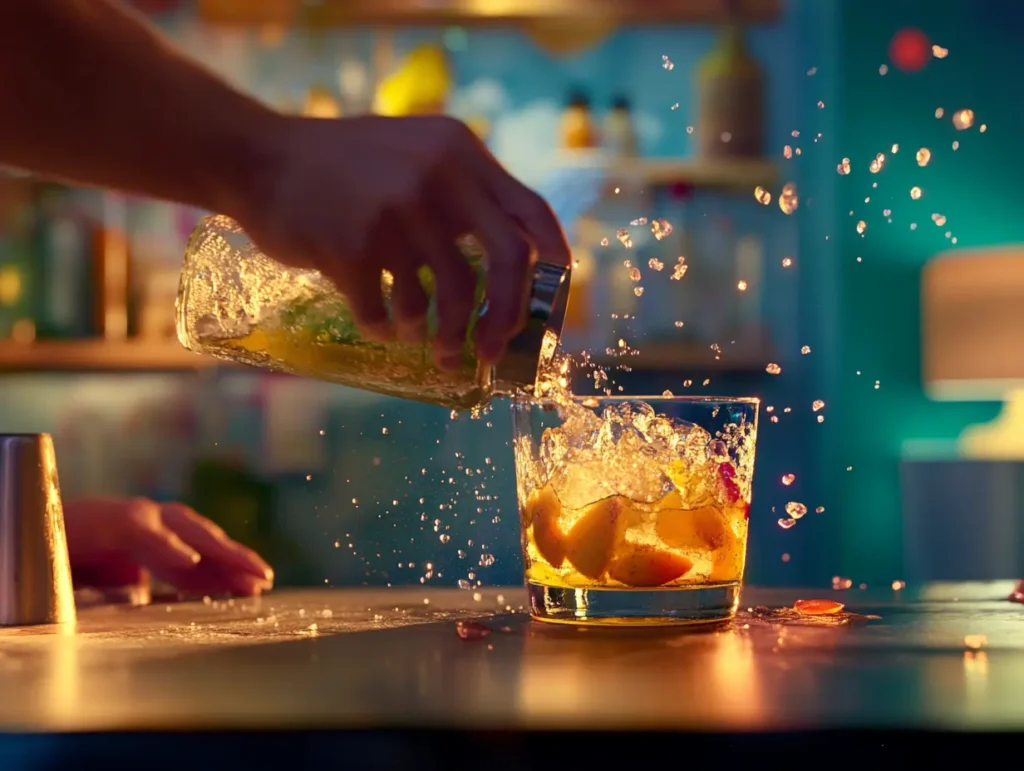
(661, 228)
(915, 192)
(795, 510)
(817, 405)
(785, 524)
(963, 119)
(923, 156)
(666, 63)
(773, 369)
(762, 196)
(805, 350)
(844, 166)
(788, 199)
(861, 227)
(788, 479)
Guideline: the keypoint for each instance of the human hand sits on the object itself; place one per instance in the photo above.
(115, 544)
(357, 196)
(1018, 592)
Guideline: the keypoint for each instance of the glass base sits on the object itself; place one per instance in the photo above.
(633, 607)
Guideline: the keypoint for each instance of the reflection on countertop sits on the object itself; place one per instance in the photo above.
(948, 657)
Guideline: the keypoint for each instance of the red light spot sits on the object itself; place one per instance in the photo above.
(910, 50)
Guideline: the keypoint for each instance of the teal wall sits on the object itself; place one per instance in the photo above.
(978, 189)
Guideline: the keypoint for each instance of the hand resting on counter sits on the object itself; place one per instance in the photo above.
(117, 544)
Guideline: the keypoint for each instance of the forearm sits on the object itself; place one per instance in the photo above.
(89, 93)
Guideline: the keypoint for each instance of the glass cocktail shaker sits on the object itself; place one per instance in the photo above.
(236, 303)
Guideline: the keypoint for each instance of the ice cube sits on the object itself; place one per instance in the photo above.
(635, 468)
(582, 481)
(580, 426)
(553, 450)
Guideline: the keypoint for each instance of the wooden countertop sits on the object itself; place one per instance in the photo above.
(392, 658)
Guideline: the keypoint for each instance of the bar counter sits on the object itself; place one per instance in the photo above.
(940, 657)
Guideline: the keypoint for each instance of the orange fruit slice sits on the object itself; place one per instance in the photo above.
(818, 607)
(591, 541)
(700, 529)
(544, 511)
(646, 566)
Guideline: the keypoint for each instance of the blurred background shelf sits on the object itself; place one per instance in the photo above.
(100, 356)
(476, 12)
(726, 173)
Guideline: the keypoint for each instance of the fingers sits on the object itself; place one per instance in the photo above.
(529, 210)
(409, 305)
(214, 580)
(151, 543)
(456, 300)
(510, 258)
(536, 219)
(213, 543)
(362, 290)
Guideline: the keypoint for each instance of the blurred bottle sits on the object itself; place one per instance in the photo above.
(111, 271)
(245, 505)
(577, 131)
(619, 133)
(236, 303)
(17, 266)
(730, 99)
(63, 240)
(420, 86)
(321, 103)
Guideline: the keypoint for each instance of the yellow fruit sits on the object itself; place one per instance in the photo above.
(647, 566)
(543, 511)
(726, 566)
(674, 500)
(700, 529)
(677, 473)
(592, 540)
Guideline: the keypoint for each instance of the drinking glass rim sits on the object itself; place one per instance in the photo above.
(688, 399)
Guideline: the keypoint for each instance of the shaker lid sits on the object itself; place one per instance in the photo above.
(549, 296)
